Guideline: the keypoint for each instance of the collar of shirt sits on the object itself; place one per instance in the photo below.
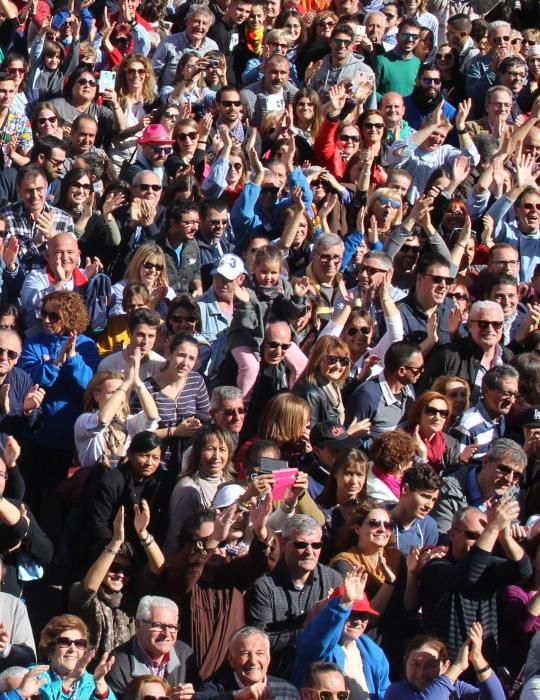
(147, 660)
(389, 397)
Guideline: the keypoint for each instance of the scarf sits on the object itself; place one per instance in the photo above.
(254, 40)
(333, 395)
(393, 484)
(268, 293)
(436, 449)
(112, 625)
(375, 577)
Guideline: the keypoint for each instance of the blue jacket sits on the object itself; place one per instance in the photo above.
(64, 385)
(319, 641)
(52, 690)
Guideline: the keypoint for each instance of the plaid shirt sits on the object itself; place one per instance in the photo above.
(21, 224)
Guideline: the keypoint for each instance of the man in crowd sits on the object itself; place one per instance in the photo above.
(273, 93)
(181, 250)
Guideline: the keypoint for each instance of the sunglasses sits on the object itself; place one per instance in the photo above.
(51, 315)
(318, 183)
(443, 56)
(328, 23)
(146, 187)
(358, 618)
(407, 36)
(440, 279)
(365, 330)
(369, 270)
(516, 40)
(345, 43)
(527, 42)
(232, 412)
(336, 360)
(456, 394)
(349, 137)
(278, 45)
(274, 345)
(164, 150)
(184, 319)
(47, 120)
(116, 568)
(269, 189)
(86, 186)
(171, 115)
(66, 642)
(484, 325)
(501, 39)
(374, 125)
(57, 163)
(410, 249)
(331, 694)
(83, 82)
(529, 206)
(136, 71)
(305, 545)
(458, 295)
(236, 166)
(156, 697)
(377, 524)
(470, 534)
(431, 81)
(218, 222)
(12, 354)
(185, 135)
(432, 411)
(231, 103)
(152, 266)
(415, 370)
(22, 71)
(394, 203)
(508, 471)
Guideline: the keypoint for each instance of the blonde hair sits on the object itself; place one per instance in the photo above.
(149, 82)
(325, 346)
(284, 418)
(384, 192)
(97, 381)
(144, 253)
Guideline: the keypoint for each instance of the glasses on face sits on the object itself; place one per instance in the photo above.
(516, 76)
(171, 115)
(432, 411)
(156, 697)
(431, 81)
(136, 71)
(342, 43)
(218, 222)
(415, 249)
(460, 296)
(56, 162)
(83, 82)
(22, 71)
(146, 187)
(304, 545)
(161, 626)
(508, 471)
(516, 40)
(374, 125)
(66, 642)
(86, 186)
(408, 36)
(116, 568)
(469, 534)
(327, 259)
(440, 279)
(51, 315)
(394, 203)
(337, 360)
(236, 166)
(278, 45)
(357, 618)
(11, 354)
(163, 150)
(184, 319)
(326, 23)
(369, 270)
(331, 694)
(529, 42)
(233, 412)
(484, 325)
(501, 39)
(529, 206)
(365, 330)
(269, 189)
(152, 266)
(456, 394)
(505, 263)
(231, 103)
(415, 370)
(274, 345)
(443, 56)
(349, 137)
(47, 120)
(377, 524)
(185, 135)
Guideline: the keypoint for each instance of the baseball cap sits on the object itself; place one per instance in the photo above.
(360, 604)
(155, 133)
(329, 433)
(534, 51)
(227, 495)
(530, 418)
(229, 266)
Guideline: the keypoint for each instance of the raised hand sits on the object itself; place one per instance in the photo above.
(141, 520)
(464, 109)
(461, 167)
(10, 252)
(241, 294)
(12, 452)
(337, 96)
(113, 201)
(118, 528)
(354, 585)
(93, 267)
(488, 225)
(33, 399)
(103, 668)
(421, 448)
(31, 683)
(301, 286)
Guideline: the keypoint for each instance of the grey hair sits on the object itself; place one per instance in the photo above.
(371, 13)
(244, 632)
(200, 9)
(485, 305)
(499, 24)
(143, 173)
(148, 602)
(505, 446)
(11, 672)
(492, 378)
(460, 514)
(498, 88)
(301, 524)
(381, 256)
(224, 393)
(328, 240)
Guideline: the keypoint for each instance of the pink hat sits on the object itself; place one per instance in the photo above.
(155, 133)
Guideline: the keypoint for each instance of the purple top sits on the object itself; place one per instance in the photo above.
(442, 688)
(518, 626)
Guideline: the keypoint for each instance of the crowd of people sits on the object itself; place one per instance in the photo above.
(269, 349)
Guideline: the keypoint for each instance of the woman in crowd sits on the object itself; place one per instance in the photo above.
(292, 21)
(391, 455)
(45, 121)
(167, 116)
(307, 113)
(184, 316)
(229, 171)
(190, 139)
(77, 199)
(458, 393)
(148, 686)
(18, 67)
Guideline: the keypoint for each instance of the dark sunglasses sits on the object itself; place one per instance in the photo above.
(369, 270)
(394, 203)
(12, 354)
(66, 642)
(529, 206)
(484, 325)
(136, 71)
(152, 266)
(352, 331)
(431, 81)
(156, 697)
(231, 412)
(470, 534)
(185, 135)
(171, 115)
(349, 137)
(342, 42)
(164, 150)
(336, 360)
(145, 187)
(83, 82)
(410, 249)
(86, 186)
(51, 315)
(374, 125)
(460, 296)
(432, 411)
(330, 694)
(218, 222)
(376, 524)
(305, 545)
(443, 56)
(456, 394)
(231, 103)
(440, 279)
(47, 120)
(116, 568)
(236, 166)
(415, 370)
(274, 345)
(407, 36)
(269, 189)
(184, 319)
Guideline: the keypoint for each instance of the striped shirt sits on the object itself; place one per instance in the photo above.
(477, 427)
(191, 400)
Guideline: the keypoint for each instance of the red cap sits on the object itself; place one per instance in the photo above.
(360, 604)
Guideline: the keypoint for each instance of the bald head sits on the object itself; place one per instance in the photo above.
(393, 109)
(63, 251)
(531, 144)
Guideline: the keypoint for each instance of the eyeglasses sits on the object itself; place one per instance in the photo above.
(377, 524)
(484, 325)
(331, 694)
(501, 39)
(12, 354)
(501, 263)
(529, 206)
(305, 545)
(185, 135)
(349, 137)
(345, 43)
(456, 394)
(231, 103)
(171, 115)
(136, 71)
(184, 319)
(439, 279)
(146, 187)
(374, 125)
(458, 295)
(369, 270)
(443, 56)
(274, 345)
(55, 161)
(469, 534)
(515, 75)
(66, 642)
(508, 471)
(83, 82)
(407, 36)
(152, 266)
(19, 71)
(47, 120)
(116, 568)
(278, 45)
(337, 360)
(269, 189)
(86, 186)
(232, 412)
(329, 258)
(432, 411)
(415, 370)
(516, 40)
(431, 81)
(394, 203)
(51, 315)
(365, 330)
(161, 626)
(236, 166)
(164, 150)
(218, 222)
(415, 249)
(326, 23)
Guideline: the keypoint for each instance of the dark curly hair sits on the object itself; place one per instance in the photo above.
(71, 308)
(391, 450)
(347, 536)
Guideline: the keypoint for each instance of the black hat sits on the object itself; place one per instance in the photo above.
(530, 418)
(329, 433)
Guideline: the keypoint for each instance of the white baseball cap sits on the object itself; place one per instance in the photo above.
(229, 266)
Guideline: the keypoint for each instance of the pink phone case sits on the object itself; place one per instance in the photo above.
(285, 478)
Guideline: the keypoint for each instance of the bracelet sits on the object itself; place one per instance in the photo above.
(169, 432)
(109, 549)
(120, 389)
(483, 670)
(139, 386)
(390, 583)
(148, 541)
(461, 131)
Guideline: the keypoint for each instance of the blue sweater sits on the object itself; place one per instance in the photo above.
(52, 690)
(442, 688)
(320, 641)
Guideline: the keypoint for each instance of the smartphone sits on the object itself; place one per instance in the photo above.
(360, 30)
(267, 465)
(107, 80)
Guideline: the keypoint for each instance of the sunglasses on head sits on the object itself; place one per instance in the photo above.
(432, 411)
(51, 315)
(184, 319)
(66, 642)
(305, 545)
(83, 82)
(274, 345)
(353, 330)
(336, 360)
(377, 524)
(152, 266)
(394, 203)
(116, 568)
(12, 354)
(185, 135)
(484, 325)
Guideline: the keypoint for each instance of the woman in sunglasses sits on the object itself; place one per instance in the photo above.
(229, 171)
(391, 455)
(452, 79)
(77, 200)
(45, 121)
(101, 597)
(183, 316)
(385, 209)
(458, 393)
(65, 645)
(190, 146)
(427, 421)
(189, 85)
(148, 688)
(148, 266)
(17, 66)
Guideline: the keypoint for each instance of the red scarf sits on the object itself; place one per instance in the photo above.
(436, 449)
(79, 277)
